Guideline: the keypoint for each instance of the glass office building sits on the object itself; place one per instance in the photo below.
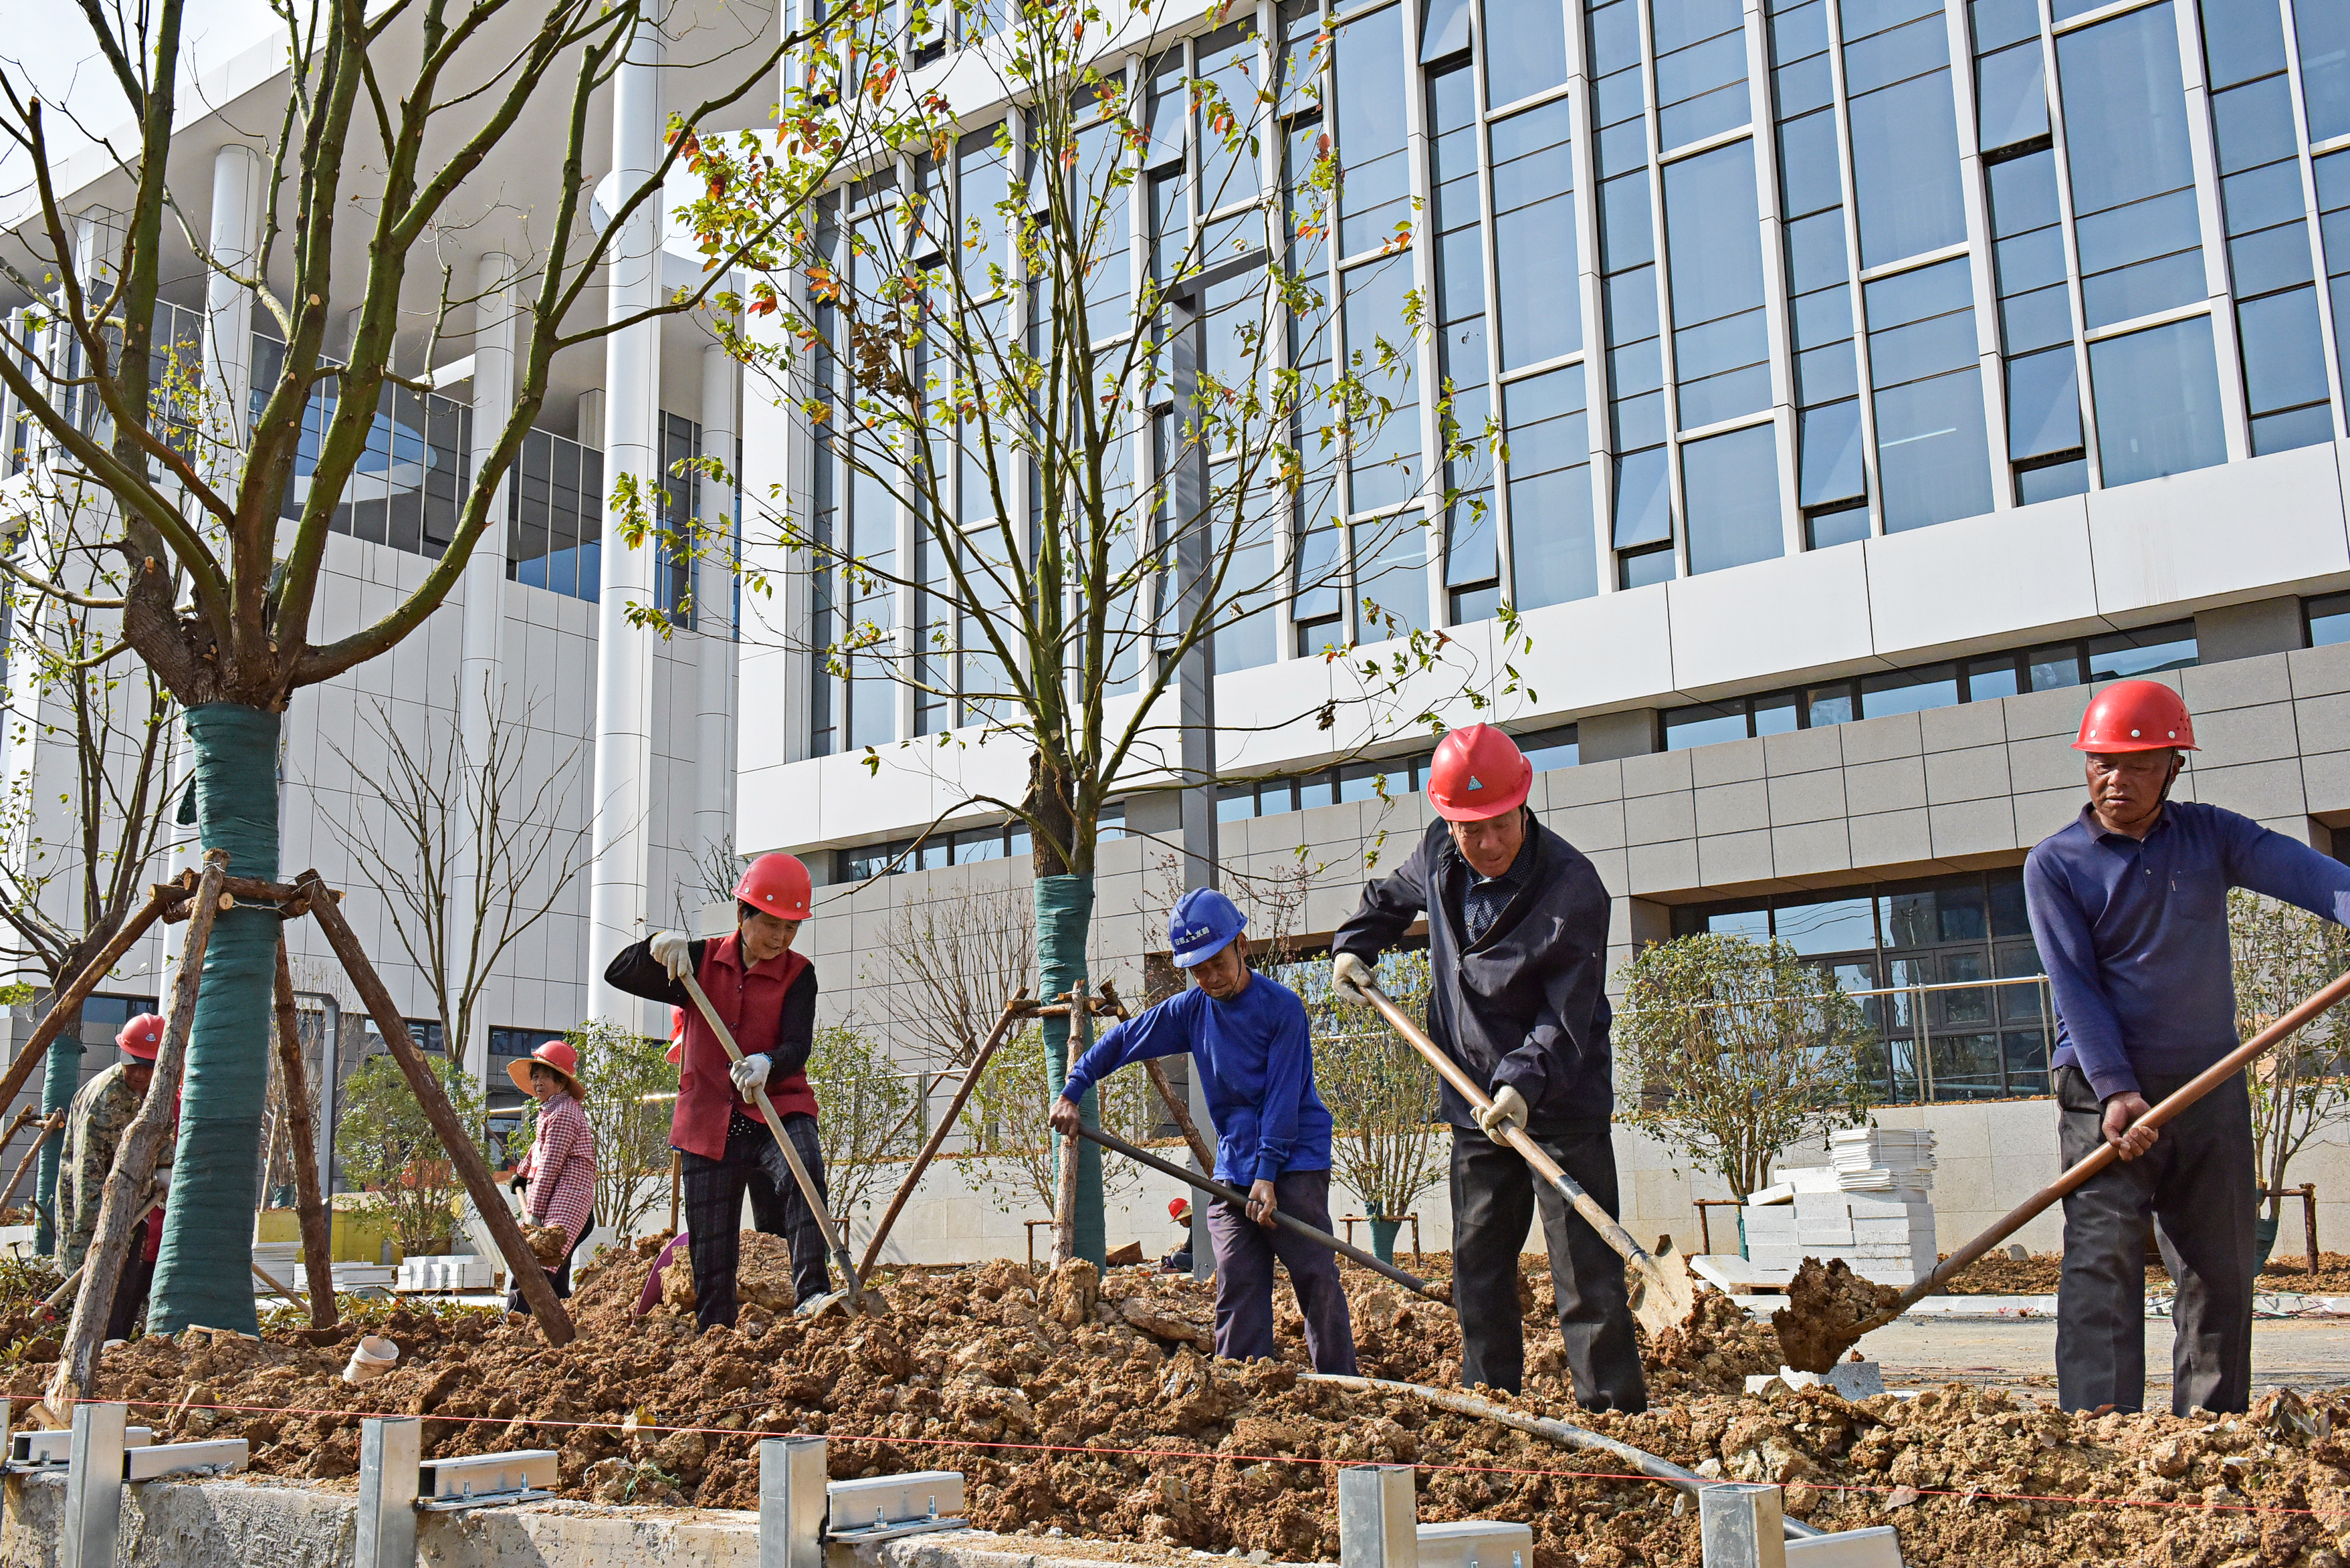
(1739, 285)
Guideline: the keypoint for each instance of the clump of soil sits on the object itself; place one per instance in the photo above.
(1121, 1426)
(2037, 1275)
(2285, 1271)
(1829, 1308)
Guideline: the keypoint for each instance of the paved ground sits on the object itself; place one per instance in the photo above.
(1918, 1352)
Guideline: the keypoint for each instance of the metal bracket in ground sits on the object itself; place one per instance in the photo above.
(487, 1480)
(33, 1453)
(1743, 1525)
(883, 1508)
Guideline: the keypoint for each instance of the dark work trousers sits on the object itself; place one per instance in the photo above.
(714, 1213)
(1245, 1251)
(2197, 1179)
(130, 1290)
(559, 1277)
(1493, 1199)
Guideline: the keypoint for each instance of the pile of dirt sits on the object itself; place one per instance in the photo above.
(990, 1370)
(2283, 1272)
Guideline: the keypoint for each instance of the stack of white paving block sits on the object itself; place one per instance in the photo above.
(1883, 1232)
(451, 1272)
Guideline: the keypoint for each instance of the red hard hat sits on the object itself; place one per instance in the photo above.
(676, 1035)
(1178, 1207)
(141, 1037)
(2136, 716)
(775, 884)
(1478, 773)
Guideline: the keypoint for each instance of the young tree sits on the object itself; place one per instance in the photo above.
(1381, 1094)
(951, 964)
(1108, 481)
(194, 494)
(1733, 1049)
(2300, 1088)
(64, 895)
(868, 1110)
(387, 1147)
(469, 852)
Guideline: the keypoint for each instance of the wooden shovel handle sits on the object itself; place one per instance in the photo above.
(1610, 1231)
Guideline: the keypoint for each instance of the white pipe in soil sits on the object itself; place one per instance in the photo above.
(1647, 1464)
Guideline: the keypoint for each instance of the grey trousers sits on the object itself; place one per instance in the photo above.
(2197, 1179)
(1494, 1196)
(1245, 1253)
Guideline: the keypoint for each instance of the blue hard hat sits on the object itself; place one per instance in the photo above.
(1204, 924)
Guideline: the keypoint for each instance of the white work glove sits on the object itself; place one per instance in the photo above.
(673, 950)
(1507, 1112)
(749, 1073)
(1349, 974)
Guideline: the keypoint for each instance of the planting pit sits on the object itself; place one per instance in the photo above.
(988, 1370)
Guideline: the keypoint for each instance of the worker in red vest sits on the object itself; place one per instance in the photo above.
(766, 993)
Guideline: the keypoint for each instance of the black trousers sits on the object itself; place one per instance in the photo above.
(131, 1290)
(559, 1277)
(1245, 1253)
(714, 1214)
(2197, 1179)
(1494, 1197)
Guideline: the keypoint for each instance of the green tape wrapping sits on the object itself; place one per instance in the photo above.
(56, 1093)
(203, 1274)
(1065, 909)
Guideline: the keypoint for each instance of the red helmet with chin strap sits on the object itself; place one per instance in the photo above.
(1478, 773)
(2136, 716)
(775, 884)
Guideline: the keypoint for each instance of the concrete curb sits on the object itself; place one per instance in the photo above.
(239, 1522)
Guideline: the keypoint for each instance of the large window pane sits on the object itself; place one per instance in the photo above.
(1552, 544)
(2157, 402)
(2324, 26)
(1392, 577)
(1932, 462)
(1375, 194)
(1716, 282)
(2133, 182)
(1731, 486)
(1644, 512)
(1386, 462)
(2008, 99)
(2043, 410)
(1831, 456)
(1534, 237)
(2285, 372)
(1525, 48)
(1701, 69)
(1904, 137)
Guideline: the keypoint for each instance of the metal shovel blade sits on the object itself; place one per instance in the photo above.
(1663, 1295)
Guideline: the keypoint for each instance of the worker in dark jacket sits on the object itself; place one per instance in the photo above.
(1517, 937)
(766, 993)
(1249, 1040)
(2130, 907)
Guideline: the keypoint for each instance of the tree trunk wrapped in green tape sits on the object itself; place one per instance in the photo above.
(1065, 912)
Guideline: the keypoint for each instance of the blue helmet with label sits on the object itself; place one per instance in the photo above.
(1204, 924)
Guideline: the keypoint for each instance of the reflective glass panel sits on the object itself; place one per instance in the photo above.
(1731, 484)
(2157, 394)
(1531, 56)
(1374, 191)
(1534, 237)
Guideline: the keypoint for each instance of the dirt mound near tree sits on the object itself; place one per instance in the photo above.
(972, 1370)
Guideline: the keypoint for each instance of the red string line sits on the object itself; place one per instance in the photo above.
(1965, 1494)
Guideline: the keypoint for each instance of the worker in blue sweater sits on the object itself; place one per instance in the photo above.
(1255, 1054)
(2130, 909)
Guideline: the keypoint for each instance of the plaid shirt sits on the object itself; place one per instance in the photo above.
(100, 1114)
(561, 1165)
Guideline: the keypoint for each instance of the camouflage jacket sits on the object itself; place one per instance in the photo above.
(95, 1123)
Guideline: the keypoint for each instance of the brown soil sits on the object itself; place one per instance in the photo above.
(1828, 1309)
(975, 1367)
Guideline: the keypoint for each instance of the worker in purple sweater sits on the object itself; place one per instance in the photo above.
(1255, 1054)
(2130, 907)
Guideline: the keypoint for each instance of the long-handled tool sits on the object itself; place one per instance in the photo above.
(1288, 1221)
(855, 1294)
(1665, 1295)
(2014, 1220)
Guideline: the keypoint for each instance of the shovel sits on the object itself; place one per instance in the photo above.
(1664, 1295)
(2185, 1095)
(1239, 1200)
(855, 1294)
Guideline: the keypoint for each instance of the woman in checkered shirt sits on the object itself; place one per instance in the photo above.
(558, 1175)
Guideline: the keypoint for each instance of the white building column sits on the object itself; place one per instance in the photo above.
(713, 600)
(240, 190)
(481, 681)
(621, 805)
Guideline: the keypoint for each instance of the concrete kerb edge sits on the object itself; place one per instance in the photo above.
(231, 1523)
